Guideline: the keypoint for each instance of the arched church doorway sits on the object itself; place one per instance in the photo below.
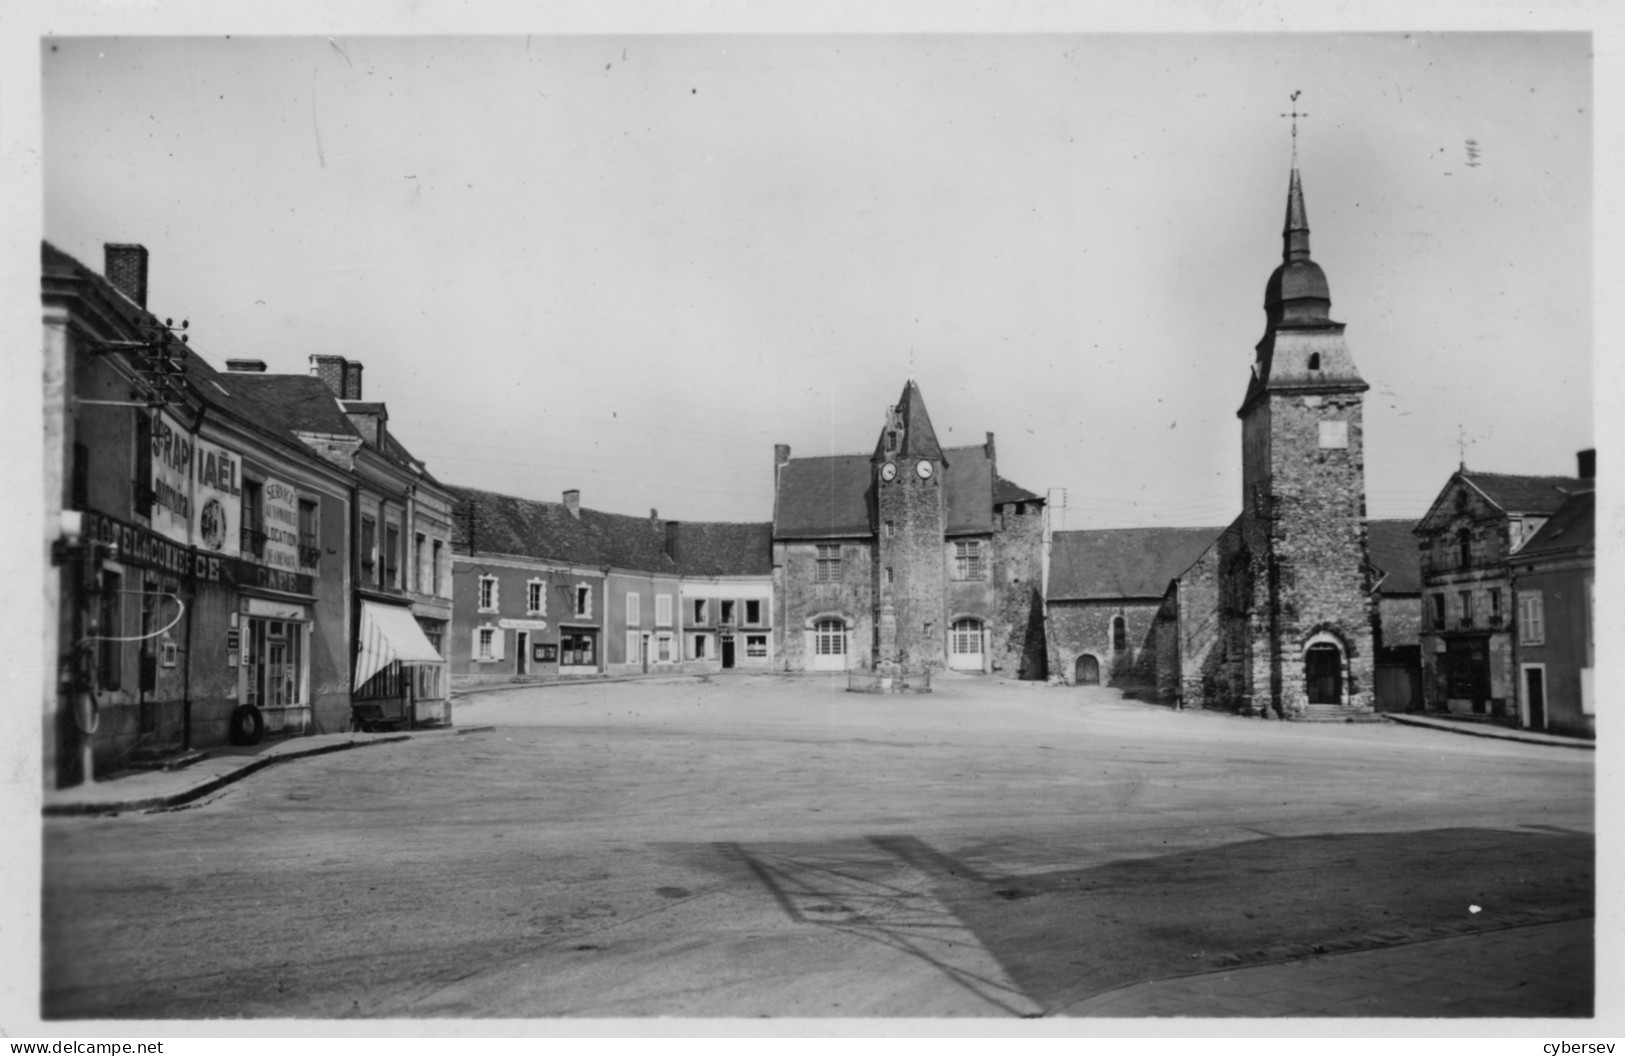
(1323, 673)
(1088, 671)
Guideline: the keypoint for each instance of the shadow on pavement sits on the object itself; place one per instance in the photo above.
(1061, 936)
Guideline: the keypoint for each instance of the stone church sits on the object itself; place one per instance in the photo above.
(1279, 614)
(914, 556)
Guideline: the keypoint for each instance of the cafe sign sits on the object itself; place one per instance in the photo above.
(132, 544)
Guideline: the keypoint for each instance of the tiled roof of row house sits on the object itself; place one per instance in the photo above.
(714, 548)
(507, 524)
(831, 496)
(1572, 528)
(1123, 562)
(304, 403)
(1516, 494)
(1391, 546)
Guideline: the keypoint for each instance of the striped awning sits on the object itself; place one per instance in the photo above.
(390, 634)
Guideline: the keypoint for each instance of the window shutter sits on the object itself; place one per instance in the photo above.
(474, 645)
(499, 639)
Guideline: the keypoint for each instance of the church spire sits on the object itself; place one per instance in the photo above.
(1295, 235)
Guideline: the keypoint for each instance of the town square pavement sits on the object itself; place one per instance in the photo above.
(774, 846)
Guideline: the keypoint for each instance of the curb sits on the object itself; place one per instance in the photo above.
(1550, 740)
(177, 799)
(503, 687)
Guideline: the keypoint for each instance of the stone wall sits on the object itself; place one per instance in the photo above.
(803, 600)
(1018, 638)
(1079, 628)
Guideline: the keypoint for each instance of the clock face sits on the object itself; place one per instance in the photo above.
(923, 469)
(888, 471)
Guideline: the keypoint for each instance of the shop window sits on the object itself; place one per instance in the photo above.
(756, 646)
(829, 563)
(577, 649)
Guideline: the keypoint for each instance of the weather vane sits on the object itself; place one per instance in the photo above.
(1294, 115)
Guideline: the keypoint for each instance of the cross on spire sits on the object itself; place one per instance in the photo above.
(1294, 115)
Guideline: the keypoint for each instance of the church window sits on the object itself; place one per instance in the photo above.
(968, 560)
(1119, 634)
(829, 638)
(829, 563)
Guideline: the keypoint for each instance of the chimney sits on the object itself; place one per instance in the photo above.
(781, 454)
(671, 540)
(331, 370)
(654, 514)
(572, 502)
(1588, 464)
(125, 266)
(246, 366)
(991, 457)
(352, 380)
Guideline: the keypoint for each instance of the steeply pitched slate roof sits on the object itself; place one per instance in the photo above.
(1007, 491)
(1392, 548)
(1573, 527)
(968, 490)
(506, 524)
(1516, 494)
(919, 437)
(1123, 562)
(297, 402)
(825, 496)
(712, 548)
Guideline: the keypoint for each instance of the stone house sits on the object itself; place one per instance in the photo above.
(1104, 593)
(914, 555)
(726, 609)
(1554, 645)
(1466, 540)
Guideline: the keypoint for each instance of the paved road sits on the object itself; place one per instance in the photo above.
(768, 846)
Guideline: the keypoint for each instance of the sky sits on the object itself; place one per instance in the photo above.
(631, 263)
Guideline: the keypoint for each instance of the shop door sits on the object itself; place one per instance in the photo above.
(1323, 674)
(1534, 681)
(1087, 672)
(522, 660)
(1467, 663)
(276, 675)
(728, 650)
(643, 652)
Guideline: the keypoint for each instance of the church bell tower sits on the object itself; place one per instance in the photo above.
(911, 559)
(1303, 624)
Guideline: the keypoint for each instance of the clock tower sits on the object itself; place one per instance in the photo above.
(911, 555)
